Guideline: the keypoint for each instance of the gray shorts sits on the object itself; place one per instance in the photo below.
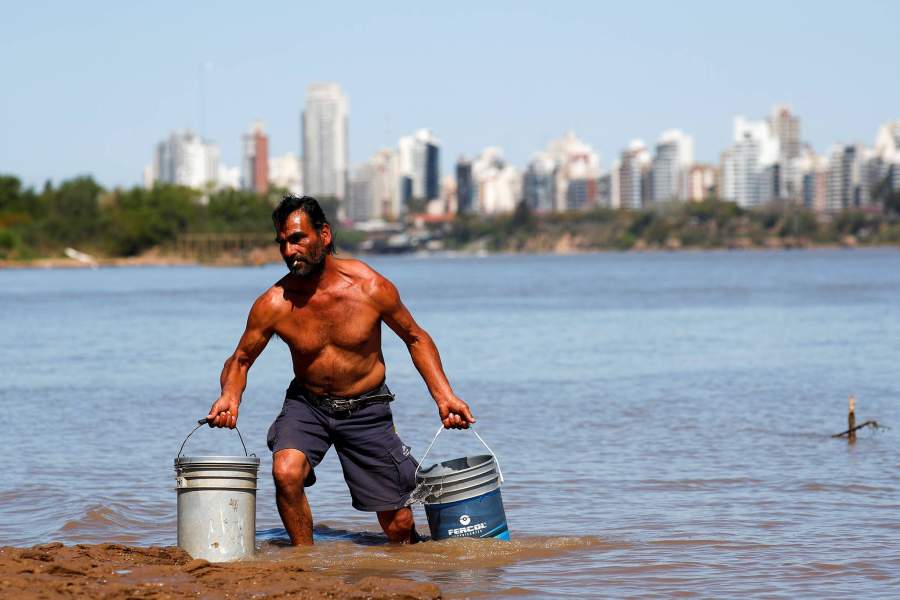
(377, 465)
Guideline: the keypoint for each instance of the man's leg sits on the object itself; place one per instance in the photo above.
(398, 525)
(290, 469)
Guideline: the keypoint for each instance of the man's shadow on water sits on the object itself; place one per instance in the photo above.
(278, 536)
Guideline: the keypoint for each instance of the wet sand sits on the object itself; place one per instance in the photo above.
(114, 571)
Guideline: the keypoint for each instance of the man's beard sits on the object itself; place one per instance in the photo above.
(304, 267)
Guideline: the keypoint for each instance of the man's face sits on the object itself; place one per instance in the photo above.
(302, 248)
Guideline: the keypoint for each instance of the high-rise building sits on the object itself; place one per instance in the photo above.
(701, 182)
(185, 159)
(538, 183)
(785, 127)
(815, 188)
(812, 172)
(374, 192)
(887, 155)
(846, 178)
(746, 176)
(286, 172)
(432, 170)
(447, 203)
(575, 161)
(465, 189)
(420, 162)
(229, 178)
(497, 185)
(633, 176)
(255, 160)
(604, 191)
(674, 155)
(325, 141)
(360, 203)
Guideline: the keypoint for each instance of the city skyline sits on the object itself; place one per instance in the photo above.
(514, 76)
(768, 161)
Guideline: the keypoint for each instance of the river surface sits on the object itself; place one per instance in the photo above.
(663, 421)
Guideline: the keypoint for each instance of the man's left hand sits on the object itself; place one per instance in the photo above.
(455, 413)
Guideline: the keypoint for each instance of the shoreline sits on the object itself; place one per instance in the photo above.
(158, 260)
(118, 571)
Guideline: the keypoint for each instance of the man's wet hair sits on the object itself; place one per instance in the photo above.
(308, 205)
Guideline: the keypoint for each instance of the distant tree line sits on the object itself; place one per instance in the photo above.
(80, 213)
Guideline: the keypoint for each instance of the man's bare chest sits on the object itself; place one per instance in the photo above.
(345, 322)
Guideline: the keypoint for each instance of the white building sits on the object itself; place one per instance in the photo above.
(748, 170)
(448, 203)
(701, 182)
(229, 178)
(576, 166)
(184, 159)
(286, 172)
(674, 155)
(497, 185)
(785, 127)
(538, 183)
(887, 153)
(374, 193)
(419, 164)
(812, 171)
(324, 140)
(845, 178)
(631, 177)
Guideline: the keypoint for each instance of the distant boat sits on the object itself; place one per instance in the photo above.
(81, 257)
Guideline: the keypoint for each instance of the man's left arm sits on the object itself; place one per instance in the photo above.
(454, 412)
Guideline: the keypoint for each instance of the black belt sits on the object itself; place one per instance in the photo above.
(340, 405)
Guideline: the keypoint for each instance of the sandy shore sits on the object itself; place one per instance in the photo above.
(114, 571)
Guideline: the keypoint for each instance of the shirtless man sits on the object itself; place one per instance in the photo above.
(329, 312)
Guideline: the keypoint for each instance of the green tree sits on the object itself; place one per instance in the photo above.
(238, 211)
(71, 214)
(140, 219)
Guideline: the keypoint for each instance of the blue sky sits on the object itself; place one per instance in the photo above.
(90, 87)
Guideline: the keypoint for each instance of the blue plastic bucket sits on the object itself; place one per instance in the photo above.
(462, 497)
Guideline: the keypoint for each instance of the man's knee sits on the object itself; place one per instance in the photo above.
(290, 469)
(397, 524)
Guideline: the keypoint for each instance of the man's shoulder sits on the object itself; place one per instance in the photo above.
(271, 300)
(356, 271)
(368, 280)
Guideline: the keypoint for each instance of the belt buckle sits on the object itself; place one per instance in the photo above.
(341, 405)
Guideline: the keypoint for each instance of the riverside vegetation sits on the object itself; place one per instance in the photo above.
(80, 213)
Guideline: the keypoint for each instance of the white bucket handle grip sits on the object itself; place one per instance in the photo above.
(434, 439)
(201, 423)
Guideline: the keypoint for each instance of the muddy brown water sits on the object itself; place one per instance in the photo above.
(663, 420)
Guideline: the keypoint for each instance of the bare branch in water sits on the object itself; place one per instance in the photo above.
(872, 424)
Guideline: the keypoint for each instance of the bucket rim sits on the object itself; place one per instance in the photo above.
(462, 484)
(457, 477)
(483, 461)
(244, 461)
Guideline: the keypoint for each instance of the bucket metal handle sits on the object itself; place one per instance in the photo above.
(201, 423)
(440, 429)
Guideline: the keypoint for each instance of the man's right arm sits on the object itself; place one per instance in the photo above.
(260, 327)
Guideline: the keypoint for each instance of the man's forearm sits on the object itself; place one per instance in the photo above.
(234, 377)
(427, 360)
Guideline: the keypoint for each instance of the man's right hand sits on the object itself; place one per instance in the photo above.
(224, 412)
